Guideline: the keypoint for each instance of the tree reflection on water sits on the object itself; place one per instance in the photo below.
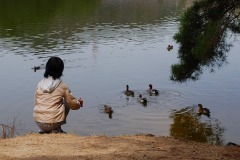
(187, 123)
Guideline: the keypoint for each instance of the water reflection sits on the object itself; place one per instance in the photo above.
(188, 124)
(44, 27)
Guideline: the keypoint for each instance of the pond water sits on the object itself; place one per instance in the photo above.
(106, 45)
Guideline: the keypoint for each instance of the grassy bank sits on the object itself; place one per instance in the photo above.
(70, 146)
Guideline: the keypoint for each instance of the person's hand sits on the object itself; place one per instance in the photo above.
(80, 100)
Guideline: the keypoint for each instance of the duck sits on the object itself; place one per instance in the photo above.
(108, 109)
(170, 47)
(142, 100)
(35, 68)
(152, 91)
(203, 110)
(129, 92)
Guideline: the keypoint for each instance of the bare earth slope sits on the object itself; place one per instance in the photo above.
(69, 146)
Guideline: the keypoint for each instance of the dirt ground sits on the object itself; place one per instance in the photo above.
(71, 147)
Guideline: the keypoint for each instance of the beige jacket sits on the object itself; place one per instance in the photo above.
(49, 96)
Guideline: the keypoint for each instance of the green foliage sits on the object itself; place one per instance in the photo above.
(202, 32)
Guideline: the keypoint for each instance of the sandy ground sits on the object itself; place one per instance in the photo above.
(70, 146)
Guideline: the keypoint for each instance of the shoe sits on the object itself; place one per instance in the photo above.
(59, 130)
(43, 132)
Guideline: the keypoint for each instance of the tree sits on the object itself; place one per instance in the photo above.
(202, 35)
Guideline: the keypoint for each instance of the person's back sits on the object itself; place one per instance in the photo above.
(53, 99)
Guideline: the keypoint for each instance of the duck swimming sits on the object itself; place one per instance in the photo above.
(35, 68)
(204, 111)
(108, 109)
(142, 100)
(170, 47)
(129, 92)
(152, 91)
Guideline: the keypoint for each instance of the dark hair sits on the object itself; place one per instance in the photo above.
(54, 68)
